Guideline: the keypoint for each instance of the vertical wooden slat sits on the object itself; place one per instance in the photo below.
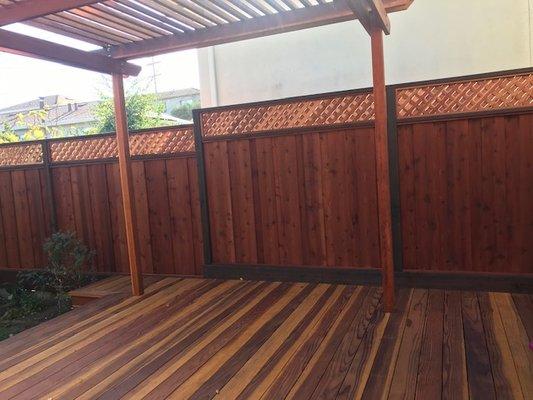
(22, 216)
(180, 216)
(220, 207)
(240, 171)
(126, 183)
(194, 193)
(142, 215)
(158, 209)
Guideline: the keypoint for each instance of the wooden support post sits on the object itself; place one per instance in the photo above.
(126, 184)
(382, 167)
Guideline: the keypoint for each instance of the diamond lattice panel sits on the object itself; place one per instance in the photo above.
(307, 113)
(465, 97)
(171, 141)
(21, 154)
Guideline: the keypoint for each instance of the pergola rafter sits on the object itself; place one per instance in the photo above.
(127, 29)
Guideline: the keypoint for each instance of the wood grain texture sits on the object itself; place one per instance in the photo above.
(465, 191)
(196, 338)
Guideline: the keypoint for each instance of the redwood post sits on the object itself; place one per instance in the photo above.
(126, 184)
(382, 167)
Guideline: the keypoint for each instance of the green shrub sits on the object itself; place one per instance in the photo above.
(68, 260)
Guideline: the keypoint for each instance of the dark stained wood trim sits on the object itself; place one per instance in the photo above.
(292, 99)
(29, 9)
(202, 189)
(517, 283)
(289, 132)
(15, 43)
(290, 273)
(484, 75)
(466, 115)
(394, 178)
(47, 161)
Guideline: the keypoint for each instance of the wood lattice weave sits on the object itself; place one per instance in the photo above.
(340, 109)
(21, 154)
(507, 92)
(171, 141)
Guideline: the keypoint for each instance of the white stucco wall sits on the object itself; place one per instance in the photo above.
(432, 39)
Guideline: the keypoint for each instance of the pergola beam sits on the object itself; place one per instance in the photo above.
(29, 9)
(370, 13)
(15, 43)
(307, 17)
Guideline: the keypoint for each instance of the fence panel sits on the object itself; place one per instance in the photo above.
(293, 182)
(466, 174)
(87, 200)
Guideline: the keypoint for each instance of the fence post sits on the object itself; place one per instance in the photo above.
(202, 188)
(47, 162)
(394, 178)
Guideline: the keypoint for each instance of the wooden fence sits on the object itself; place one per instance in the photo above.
(81, 176)
(287, 188)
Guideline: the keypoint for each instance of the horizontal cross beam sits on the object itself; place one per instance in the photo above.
(303, 18)
(15, 43)
(29, 9)
(370, 13)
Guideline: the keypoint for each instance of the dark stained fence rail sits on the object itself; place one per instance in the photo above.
(87, 200)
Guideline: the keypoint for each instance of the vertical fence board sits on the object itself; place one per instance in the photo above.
(180, 216)
(142, 215)
(10, 223)
(158, 207)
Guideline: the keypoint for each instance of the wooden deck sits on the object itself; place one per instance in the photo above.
(120, 284)
(195, 338)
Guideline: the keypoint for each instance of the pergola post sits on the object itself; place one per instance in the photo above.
(126, 184)
(382, 167)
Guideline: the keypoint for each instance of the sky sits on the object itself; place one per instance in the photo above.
(23, 79)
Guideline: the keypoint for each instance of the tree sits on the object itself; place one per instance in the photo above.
(35, 124)
(7, 135)
(142, 110)
(184, 111)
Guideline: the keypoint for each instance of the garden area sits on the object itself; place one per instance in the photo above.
(39, 295)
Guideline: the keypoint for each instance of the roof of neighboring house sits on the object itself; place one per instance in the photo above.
(35, 104)
(178, 93)
(64, 111)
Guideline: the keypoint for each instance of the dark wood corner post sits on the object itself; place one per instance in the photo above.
(202, 185)
(382, 167)
(126, 184)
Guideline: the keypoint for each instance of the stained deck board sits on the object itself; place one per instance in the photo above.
(201, 339)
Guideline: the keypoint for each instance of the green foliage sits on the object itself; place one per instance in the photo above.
(35, 124)
(142, 110)
(184, 111)
(7, 135)
(67, 259)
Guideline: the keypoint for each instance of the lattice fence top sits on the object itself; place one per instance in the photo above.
(331, 110)
(160, 142)
(21, 154)
(499, 93)
(168, 141)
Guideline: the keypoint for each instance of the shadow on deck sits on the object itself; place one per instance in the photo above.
(198, 338)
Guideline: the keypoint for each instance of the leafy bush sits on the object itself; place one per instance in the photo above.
(68, 259)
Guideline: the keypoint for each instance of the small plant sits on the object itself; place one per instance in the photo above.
(67, 259)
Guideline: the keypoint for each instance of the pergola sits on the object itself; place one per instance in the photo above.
(127, 29)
